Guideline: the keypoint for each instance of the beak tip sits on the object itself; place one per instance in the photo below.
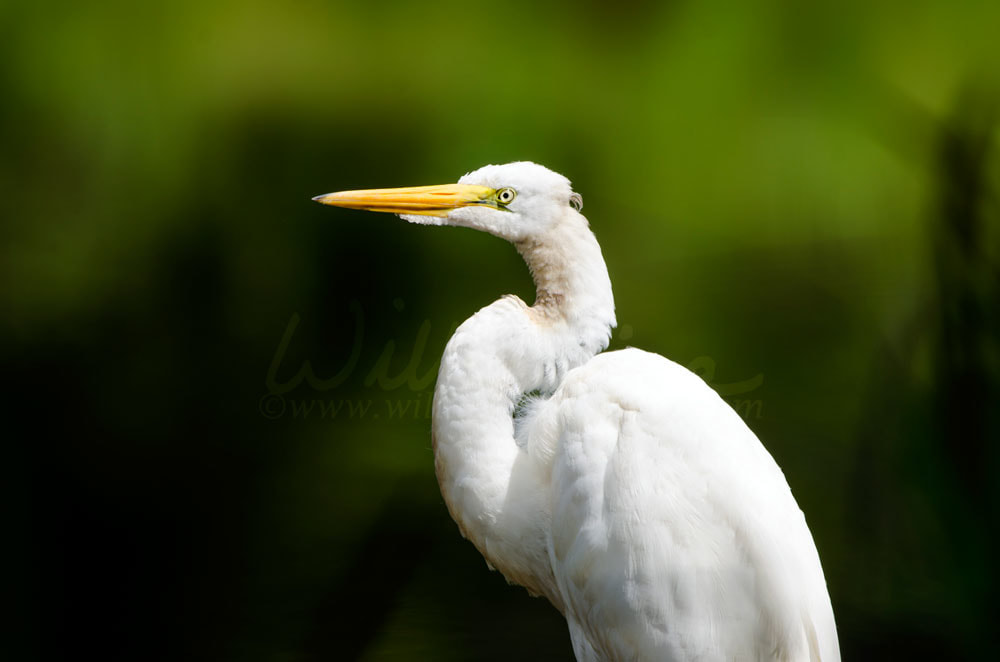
(319, 198)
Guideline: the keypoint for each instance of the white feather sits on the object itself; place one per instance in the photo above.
(626, 492)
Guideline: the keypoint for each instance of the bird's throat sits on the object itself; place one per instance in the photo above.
(572, 286)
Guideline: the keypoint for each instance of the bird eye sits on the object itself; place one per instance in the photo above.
(506, 195)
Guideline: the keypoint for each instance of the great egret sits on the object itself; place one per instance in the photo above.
(618, 485)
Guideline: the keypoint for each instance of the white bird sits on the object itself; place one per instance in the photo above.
(618, 485)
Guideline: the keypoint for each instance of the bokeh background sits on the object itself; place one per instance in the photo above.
(217, 442)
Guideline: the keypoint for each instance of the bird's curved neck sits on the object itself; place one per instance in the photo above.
(495, 481)
(571, 280)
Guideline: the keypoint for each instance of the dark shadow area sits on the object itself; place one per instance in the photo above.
(925, 497)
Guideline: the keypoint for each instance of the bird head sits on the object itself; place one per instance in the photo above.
(514, 201)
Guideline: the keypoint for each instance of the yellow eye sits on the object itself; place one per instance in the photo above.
(506, 195)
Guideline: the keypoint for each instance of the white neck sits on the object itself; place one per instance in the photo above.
(496, 486)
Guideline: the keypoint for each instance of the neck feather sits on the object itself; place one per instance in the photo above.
(571, 280)
(495, 483)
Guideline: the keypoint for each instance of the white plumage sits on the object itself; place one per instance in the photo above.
(627, 493)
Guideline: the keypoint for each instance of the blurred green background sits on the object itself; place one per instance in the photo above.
(216, 389)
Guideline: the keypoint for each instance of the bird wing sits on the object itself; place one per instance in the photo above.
(674, 533)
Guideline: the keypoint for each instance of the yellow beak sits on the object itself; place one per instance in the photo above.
(421, 200)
